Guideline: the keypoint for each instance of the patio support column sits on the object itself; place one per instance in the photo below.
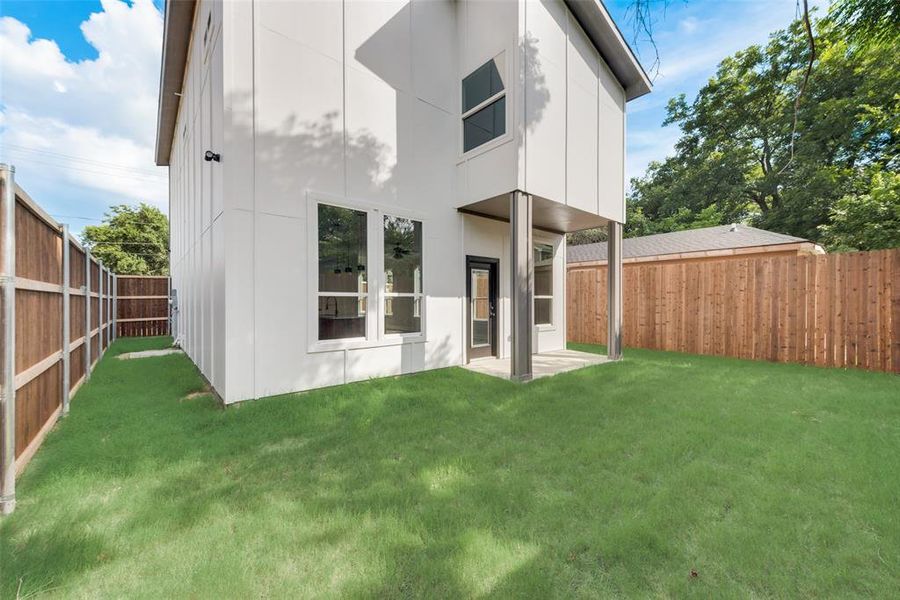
(521, 285)
(7, 340)
(614, 290)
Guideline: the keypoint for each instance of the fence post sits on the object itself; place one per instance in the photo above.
(8, 338)
(115, 314)
(65, 321)
(108, 306)
(100, 289)
(87, 313)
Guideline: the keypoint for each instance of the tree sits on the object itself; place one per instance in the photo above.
(131, 241)
(741, 152)
(867, 21)
(869, 220)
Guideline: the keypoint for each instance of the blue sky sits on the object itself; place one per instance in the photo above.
(78, 86)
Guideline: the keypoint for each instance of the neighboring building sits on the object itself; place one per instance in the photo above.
(361, 189)
(721, 241)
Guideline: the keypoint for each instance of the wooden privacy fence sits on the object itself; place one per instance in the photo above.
(142, 305)
(835, 310)
(56, 322)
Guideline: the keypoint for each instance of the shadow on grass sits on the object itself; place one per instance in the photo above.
(616, 479)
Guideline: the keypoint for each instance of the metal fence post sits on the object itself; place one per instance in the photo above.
(112, 306)
(99, 310)
(106, 309)
(65, 321)
(8, 338)
(115, 301)
(87, 313)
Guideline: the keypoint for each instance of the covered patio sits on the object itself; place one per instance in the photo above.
(525, 212)
(545, 364)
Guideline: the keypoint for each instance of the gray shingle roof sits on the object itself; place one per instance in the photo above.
(719, 237)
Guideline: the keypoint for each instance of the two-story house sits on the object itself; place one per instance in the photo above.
(368, 188)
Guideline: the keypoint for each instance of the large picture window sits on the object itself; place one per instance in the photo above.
(483, 105)
(343, 286)
(402, 275)
(543, 284)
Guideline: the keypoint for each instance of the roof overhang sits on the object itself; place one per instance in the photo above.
(606, 37)
(545, 214)
(179, 18)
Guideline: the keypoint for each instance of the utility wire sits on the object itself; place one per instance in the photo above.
(101, 163)
(143, 178)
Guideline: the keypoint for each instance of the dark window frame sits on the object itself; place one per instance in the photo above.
(490, 105)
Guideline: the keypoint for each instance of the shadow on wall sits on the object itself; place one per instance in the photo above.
(537, 96)
(295, 153)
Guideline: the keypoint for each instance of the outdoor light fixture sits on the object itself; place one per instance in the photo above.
(210, 155)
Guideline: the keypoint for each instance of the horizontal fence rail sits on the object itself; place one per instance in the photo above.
(56, 324)
(835, 310)
(142, 305)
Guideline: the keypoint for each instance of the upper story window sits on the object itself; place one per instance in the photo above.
(543, 284)
(483, 105)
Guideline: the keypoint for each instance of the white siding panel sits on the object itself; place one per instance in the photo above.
(372, 136)
(317, 26)
(434, 52)
(545, 130)
(282, 301)
(490, 28)
(611, 164)
(365, 364)
(582, 59)
(493, 172)
(379, 40)
(239, 309)
(218, 304)
(430, 179)
(299, 139)
(546, 22)
(581, 148)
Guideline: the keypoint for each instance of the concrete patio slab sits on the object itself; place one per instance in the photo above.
(149, 353)
(545, 364)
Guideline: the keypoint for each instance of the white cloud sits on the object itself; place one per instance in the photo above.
(91, 123)
(689, 25)
(649, 145)
(115, 165)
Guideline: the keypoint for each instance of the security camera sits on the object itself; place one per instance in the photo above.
(210, 155)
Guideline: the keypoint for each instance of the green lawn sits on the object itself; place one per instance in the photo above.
(620, 479)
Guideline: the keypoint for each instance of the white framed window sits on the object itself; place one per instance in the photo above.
(343, 287)
(365, 274)
(402, 260)
(543, 284)
(484, 104)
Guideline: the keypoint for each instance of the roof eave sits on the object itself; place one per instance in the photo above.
(179, 16)
(606, 37)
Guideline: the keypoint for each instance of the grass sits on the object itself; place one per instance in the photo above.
(622, 479)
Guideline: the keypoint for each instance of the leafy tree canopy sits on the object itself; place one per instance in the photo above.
(133, 240)
(735, 161)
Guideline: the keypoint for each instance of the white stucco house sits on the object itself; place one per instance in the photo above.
(368, 188)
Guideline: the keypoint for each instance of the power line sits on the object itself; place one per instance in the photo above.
(96, 220)
(124, 243)
(110, 165)
(143, 178)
